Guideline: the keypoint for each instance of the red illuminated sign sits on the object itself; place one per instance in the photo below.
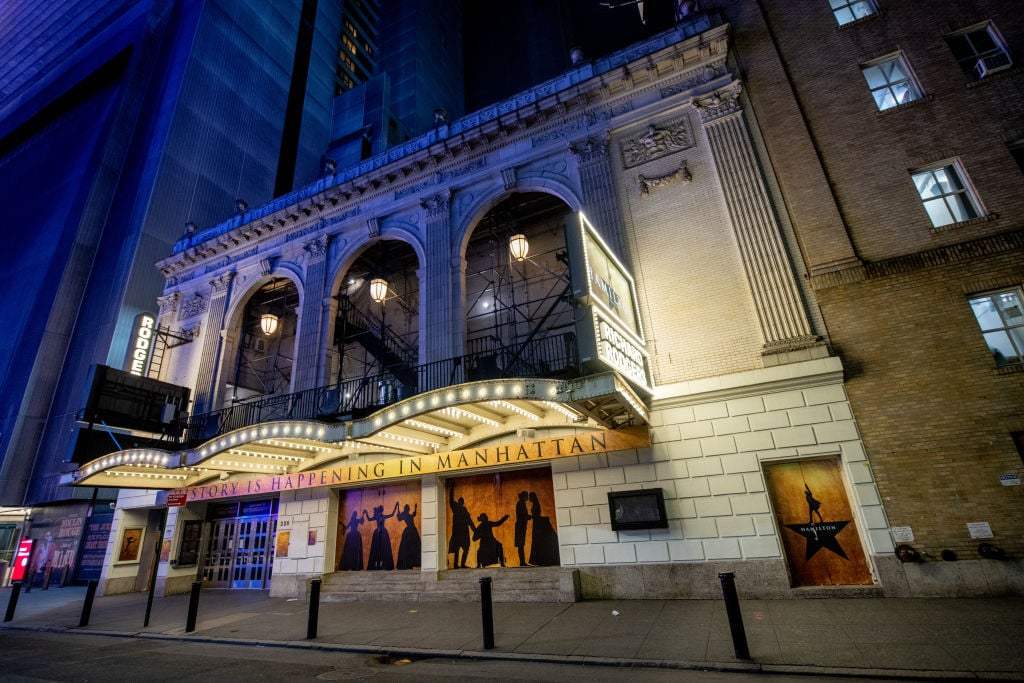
(21, 559)
(176, 498)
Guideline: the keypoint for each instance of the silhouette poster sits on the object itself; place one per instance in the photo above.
(379, 528)
(816, 524)
(505, 519)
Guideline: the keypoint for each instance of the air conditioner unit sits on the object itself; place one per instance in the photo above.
(991, 64)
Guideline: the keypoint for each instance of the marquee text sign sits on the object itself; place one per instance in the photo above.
(527, 452)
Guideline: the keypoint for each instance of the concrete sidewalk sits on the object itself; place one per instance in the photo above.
(938, 638)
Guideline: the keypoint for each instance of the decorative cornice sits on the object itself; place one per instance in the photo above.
(570, 97)
(982, 247)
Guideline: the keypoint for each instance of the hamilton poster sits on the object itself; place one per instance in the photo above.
(818, 530)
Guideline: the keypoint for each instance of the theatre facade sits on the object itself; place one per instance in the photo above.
(568, 336)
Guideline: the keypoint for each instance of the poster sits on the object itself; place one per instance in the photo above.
(816, 524)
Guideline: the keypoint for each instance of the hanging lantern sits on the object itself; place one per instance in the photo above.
(378, 289)
(268, 323)
(518, 246)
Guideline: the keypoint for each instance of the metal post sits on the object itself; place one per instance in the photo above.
(487, 612)
(154, 566)
(12, 602)
(90, 593)
(314, 608)
(732, 609)
(193, 607)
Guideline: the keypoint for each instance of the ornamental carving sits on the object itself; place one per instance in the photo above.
(656, 142)
(719, 104)
(681, 174)
(193, 307)
(219, 284)
(436, 205)
(591, 149)
(316, 250)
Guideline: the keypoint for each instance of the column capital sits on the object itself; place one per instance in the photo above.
(718, 104)
(316, 250)
(219, 284)
(437, 205)
(592, 148)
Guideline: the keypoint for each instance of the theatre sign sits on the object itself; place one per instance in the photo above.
(523, 453)
(608, 326)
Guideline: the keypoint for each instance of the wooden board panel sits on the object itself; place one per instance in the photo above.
(816, 524)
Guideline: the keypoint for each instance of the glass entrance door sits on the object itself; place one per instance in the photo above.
(240, 552)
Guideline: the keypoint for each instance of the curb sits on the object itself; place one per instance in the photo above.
(483, 655)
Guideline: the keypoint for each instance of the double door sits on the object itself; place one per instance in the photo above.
(240, 552)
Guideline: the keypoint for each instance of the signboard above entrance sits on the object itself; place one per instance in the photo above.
(499, 455)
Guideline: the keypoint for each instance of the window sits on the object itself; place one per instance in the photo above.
(1017, 151)
(979, 50)
(946, 198)
(1001, 317)
(891, 82)
(847, 11)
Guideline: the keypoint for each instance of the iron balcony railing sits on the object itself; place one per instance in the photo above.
(548, 357)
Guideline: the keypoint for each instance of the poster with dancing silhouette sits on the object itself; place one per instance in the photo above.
(379, 528)
(819, 533)
(501, 520)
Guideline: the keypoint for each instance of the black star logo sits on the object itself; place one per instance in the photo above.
(821, 535)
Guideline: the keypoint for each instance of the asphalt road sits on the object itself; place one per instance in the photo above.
(36, 656)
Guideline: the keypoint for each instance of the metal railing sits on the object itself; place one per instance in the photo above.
(550, 357)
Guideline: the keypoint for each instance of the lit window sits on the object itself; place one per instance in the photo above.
(946, 197)
(891, 82)
(1001, 317)
(979, 50)
(847, 11)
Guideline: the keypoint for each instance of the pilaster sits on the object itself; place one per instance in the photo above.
(780, 310)
(310, 358)
(210, 356)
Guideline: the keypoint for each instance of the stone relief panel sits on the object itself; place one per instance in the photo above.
(193, 306)
(656, 142)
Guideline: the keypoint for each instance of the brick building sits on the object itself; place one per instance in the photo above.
(701, 363)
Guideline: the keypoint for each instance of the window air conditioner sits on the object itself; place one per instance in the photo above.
(988, 65)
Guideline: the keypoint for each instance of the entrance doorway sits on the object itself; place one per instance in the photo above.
(240, 551)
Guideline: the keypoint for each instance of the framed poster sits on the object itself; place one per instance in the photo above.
(639, 509)
(130, 545)
(188, 547)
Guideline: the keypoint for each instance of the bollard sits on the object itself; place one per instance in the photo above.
(314, 608)
(732, 609)
(487, 612)
(13, 601)
(90, 594)
(193, 607)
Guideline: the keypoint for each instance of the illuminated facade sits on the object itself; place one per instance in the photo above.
(633, 326)
(655, 337)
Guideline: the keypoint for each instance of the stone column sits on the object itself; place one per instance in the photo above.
(210, 357)
(440, 313)
(780, 310)
(597, 189)
(309, 353)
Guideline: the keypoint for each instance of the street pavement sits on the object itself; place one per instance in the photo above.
(913, 638)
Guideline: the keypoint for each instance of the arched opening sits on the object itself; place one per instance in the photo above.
(376, 329)
(519, 307)
(266, 343)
